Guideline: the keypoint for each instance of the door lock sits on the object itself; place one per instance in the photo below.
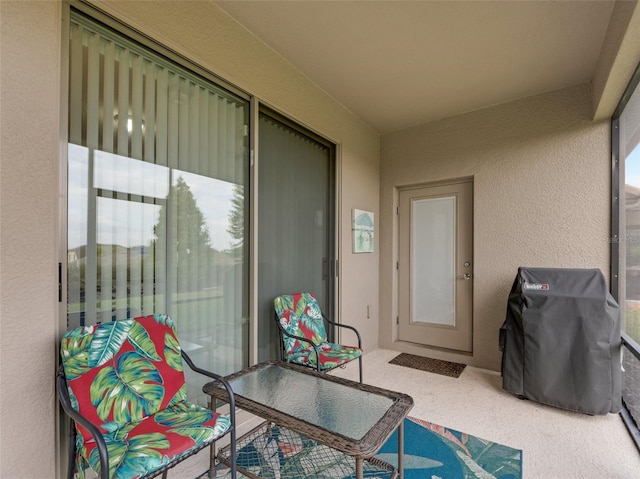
(465, 276)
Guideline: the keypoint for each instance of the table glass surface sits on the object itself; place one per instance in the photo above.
(332, 406)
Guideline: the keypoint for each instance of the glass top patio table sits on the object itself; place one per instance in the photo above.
(349, 416)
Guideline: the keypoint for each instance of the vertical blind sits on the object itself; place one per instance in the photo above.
(157, 168)
(295, 224)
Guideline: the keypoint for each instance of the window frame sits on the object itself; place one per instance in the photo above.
(617, 191)
(256, 105)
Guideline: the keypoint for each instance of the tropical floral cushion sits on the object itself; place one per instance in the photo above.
(300, 315)
(126, 377)
(331, 355)
(140, 448)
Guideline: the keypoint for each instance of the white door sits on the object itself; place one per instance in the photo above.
(435, 269)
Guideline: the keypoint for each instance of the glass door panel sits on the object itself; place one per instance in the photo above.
(433, 244)
(157, 169)
(295, 232)
(629, 293)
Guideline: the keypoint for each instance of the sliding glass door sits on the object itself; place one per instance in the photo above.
(157, 195)
(295, 220)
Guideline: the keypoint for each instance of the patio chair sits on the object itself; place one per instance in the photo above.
(122, 384)
(303, 337)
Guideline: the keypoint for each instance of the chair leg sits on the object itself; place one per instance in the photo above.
(71, 466)
(212, 447)
(360, 361)
(212, 460)
(233, 444)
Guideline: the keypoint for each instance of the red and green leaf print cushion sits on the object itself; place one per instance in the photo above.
(300, 315)
(142, 447)
(127, 378)
(331, 355)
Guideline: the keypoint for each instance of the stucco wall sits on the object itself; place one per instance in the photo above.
(541, 172)
(28, 231)
(30, 155)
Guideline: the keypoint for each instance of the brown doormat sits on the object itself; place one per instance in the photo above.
(446, 368)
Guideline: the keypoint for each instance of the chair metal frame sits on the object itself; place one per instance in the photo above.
(282, 331)
(75, 416)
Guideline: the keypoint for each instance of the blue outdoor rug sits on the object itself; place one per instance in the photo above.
(436, 452)
(430, 452)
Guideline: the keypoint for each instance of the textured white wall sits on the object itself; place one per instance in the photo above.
(541, 173)
(28, 232)
(29, 194)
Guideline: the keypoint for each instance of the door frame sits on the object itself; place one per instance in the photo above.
(401, 281)
(331, 307)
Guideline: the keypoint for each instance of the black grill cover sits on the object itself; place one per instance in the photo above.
(561, 340)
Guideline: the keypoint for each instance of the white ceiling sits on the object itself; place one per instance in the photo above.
(400, 63)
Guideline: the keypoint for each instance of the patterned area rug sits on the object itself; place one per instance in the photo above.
(430, 452)
(436, 452)
(437, 366)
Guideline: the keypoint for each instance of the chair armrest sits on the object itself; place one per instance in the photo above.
(344, 326)
(217, 377)
(65, 401)
(302, 338)
(232, 406)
